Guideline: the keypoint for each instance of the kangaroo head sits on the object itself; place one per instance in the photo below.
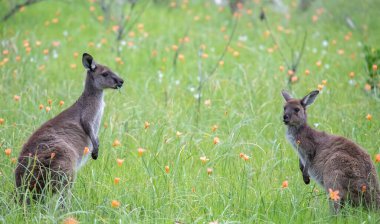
(295, 109)
(101, 76)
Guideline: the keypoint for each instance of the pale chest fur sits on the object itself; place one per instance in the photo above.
(312, 171)
(98, 117)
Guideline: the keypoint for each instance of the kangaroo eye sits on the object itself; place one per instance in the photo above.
(105, 74)
(297, 110)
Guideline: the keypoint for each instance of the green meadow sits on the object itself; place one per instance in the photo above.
(195, 135)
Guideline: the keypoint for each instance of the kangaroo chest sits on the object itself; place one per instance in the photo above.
(297, 146)
(98, 117)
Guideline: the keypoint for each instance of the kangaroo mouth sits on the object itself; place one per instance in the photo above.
(286, 122)
(118, 86)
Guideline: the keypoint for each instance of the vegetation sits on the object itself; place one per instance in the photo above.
(195, 135)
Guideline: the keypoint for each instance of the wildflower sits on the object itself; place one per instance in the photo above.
(52, 155)
(75, 54)
(146, 124)
(116, 180)
(204, 159)
(285, 184)
(16, 98)
(55, 20)
(208, 102)
(8, 152)
(178, 134)
(174, 47)
(221, 63)
(47, 109)
(320, 87)
(86, 150)
(46, 51)
(377, 158)
(41, 106)
(367, 87)
(1, 121)
(115, 204)
(209, 171)
(236, 54)
(181, 57)
(50, 101)
(73, 66)
(318, 63)
(116, 143)
(352, 75)
(364, 188)
(244, 156)
(120, 162)
(324, 82)
(167, 169)
(204, 55)
(5, 52)
(290, 72)
(61, 103)
(281, 68)
(216, 140)
(70, 220)
(307, 72)
(92, 8)
(214, 127)
(334, 195)
(140, 151)
(374, 67)
(294, 79)
(369, 117)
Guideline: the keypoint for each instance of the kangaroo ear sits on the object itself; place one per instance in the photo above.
(286, 95)
(88, 62)
(309, 98)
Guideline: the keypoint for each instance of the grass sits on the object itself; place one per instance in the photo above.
(246, 105)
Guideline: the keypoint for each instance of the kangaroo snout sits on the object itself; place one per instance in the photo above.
(119, 83)
(286, 118)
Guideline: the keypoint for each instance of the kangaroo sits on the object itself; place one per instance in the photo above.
(56, 150)
(334, 162)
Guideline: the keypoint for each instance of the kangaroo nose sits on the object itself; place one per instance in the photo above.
(286, 118)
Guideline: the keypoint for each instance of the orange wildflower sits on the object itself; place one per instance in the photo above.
(41, 106)
(13, 160)
(208, 102)
(181, 57)
(61, 102)
(1, 121)
(285, 184)
(50, 101)
(204, 159)
(141, 151)
(116, 143)
(46, 51)
(214, 127)
(52, 155)
(146, 124)
(116, 180)
(364, 188)
(174, 47)
(369, 117)
(374, 67)
(120, 162)
(86, 150)
(334, 195)
(47, 109)
(209, 171)
(352, 75)
(5, 52)
(221, 63)
(115, 204)
(16, 98)
(167, 169)
(307, 72)
(204, 55)
(367, 87)
(216, 140)
(244, 156)
(236, 54)
(73, 66)
(377, 158)
(70, 220)
(8, 152)
(281, 68)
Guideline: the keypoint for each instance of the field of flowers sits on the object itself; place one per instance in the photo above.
(195, 135)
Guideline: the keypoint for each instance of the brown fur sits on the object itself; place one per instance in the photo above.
(55, 151)
(332, 161)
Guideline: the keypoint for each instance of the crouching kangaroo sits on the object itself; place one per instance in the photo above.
(60, 146)
(334, 162)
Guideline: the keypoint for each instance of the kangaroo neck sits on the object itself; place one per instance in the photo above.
(297, 132)
(90, 90)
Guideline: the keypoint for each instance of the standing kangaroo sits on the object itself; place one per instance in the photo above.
(334, 162)
(57, 149)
